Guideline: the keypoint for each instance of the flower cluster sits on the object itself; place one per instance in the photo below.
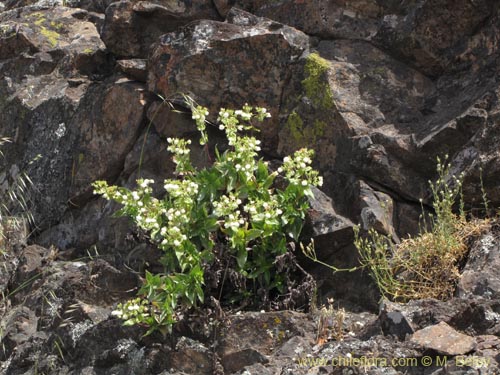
(298, 170)
(133, 311)
(227, 207)
(199, 116)
(179, 148)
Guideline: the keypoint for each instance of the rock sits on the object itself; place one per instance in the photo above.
(134, 69)
(201, 361)
(377, 210)
(31, 262)
(325, 18)
(45, 37)
(421, 37)
(115, 237)
(333, 237)
(263, 332)
(49, 74)
(238, 360)
(12, 241)
(17, 327)
(480, 276)
(329, 230)
(394, 322)
(131, 27)
(120, 118)
(308, 115)
(444, 340)
(296, 346)
(376, 353)
(190, 61)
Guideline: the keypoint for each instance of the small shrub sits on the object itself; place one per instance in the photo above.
(231, 208)
(426, 266)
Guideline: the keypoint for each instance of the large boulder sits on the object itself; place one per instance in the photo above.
(130, 27)
(243, 62)
(424, 36)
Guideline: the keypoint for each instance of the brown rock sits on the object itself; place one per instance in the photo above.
(376, 210)
(133, 68)
(131, 27)
(241, 63)
(263, 333)
(423, 37)
(329, 230)
(200, 358)
(36, 40)
(119, 118)
(325, 18)
(444, 340)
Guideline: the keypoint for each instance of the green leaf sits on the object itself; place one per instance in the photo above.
(252, 234)
(241, 258)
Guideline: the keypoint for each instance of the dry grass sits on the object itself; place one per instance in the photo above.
(428, 265)
(330, 324)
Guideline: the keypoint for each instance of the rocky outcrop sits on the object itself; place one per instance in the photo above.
(131, 27)
(244, 60)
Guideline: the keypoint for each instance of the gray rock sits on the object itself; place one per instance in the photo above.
(130, 28)
(480, 275)
(394, 322)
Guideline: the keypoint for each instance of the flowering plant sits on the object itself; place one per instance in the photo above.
(233, 204)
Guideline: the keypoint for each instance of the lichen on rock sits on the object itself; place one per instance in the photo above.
(315, 84)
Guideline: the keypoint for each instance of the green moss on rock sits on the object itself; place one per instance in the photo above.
(316, 84)
(295, 125)
(304, 135)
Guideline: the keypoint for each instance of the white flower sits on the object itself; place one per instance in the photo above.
(221, 127)
(117, 313)
(286, 159)
(304, 183)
